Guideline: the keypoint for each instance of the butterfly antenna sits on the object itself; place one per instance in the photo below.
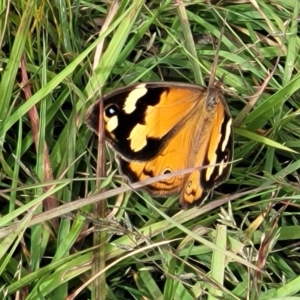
(215, 63)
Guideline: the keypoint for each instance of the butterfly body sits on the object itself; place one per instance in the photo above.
(162, 127)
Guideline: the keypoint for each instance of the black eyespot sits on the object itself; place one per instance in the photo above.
(111, 110)
(166, 171)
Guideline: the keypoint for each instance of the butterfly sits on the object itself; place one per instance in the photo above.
(157, 128)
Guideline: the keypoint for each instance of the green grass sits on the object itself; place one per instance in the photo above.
(242, 244)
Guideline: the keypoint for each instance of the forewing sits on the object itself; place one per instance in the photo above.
(140, 119)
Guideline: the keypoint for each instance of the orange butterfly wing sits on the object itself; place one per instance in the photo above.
(216, 152)
(140, 119)
(158, 128)
(195, 144)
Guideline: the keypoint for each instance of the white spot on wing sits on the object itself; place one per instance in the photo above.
(112, 123)
(133, 97)
(221, 167)
(227, 134)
